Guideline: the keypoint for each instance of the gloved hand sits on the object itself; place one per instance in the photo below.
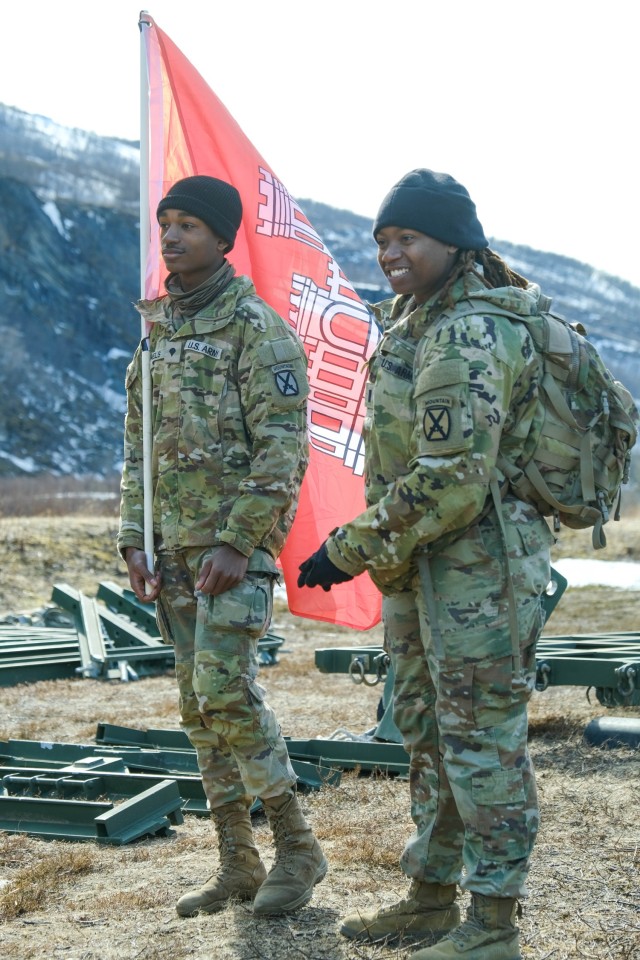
(318, 571)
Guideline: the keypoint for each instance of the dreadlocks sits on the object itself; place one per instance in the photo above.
(494, 273)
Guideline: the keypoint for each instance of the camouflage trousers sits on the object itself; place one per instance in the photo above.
(461, 707)
(240, 749)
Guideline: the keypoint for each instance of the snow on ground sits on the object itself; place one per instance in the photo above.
(608, 573)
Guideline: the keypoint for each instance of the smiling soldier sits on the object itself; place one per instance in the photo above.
(461, 560)
(229, 453)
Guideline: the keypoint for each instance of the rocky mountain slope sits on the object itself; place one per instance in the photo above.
(69, 239)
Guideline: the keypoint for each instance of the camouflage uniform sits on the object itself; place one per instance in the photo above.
(444, 395)
(229, 454)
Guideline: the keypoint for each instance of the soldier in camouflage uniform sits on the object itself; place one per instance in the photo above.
(228, 418)
(461, 562)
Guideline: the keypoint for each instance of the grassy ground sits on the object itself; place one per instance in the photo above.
(95, 902)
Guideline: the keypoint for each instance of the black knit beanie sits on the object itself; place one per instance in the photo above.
(212, 200)
(435, 204)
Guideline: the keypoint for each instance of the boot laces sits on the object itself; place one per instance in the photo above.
(285, 843)
(469, 927)
(227, 850)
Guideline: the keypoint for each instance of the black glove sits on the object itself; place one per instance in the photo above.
(318, 571)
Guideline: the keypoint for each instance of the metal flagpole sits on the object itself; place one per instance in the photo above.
(147, 438)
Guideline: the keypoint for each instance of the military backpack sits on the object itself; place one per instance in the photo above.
(589, 425)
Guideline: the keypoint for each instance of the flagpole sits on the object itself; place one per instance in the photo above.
(147, 439)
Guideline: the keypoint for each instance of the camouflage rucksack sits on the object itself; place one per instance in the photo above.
(590, 424)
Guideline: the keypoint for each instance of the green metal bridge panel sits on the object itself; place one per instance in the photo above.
(339, 659)
(125, 602)
(105, 639)
(593, 660)
(105, 644)
(111, 733)
(87, 624)
(160, 761)
(16, 645)
(33, 781)
(92, 648)
(177, 763)
(58, 819)
(123, 633)
(348, 754)
(51, 667)
(52, 783)
(150, 812)
(39, 753)
(312, 775)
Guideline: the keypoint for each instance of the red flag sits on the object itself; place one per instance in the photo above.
(191, 132)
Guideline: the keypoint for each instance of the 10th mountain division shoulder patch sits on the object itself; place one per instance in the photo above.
(286, 382)
(437, 422)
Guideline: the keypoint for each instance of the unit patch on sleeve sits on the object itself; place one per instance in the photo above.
(437, 419)
(286, 380)
(444, 422)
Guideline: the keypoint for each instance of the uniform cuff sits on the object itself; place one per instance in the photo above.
(340, 562)
(124, 543)
(241, 544)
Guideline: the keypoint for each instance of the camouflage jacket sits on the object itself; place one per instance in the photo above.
(443, 396)
(228, 423)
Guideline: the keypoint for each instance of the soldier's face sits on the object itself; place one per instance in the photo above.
(190, 248)
(414, 263)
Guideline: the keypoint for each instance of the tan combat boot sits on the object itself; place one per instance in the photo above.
(488, 933)
(240, 872)
(428, 908)
(299, 863)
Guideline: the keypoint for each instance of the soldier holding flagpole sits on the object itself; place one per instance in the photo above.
(229, 450)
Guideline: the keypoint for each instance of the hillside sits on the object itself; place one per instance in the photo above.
(69, 273)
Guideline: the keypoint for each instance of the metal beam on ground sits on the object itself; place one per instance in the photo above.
(367, 755)
(148, 813)
(138, 759)
(609, 662)
(123, 601)
(106, 644)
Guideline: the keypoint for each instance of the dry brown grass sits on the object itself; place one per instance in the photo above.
(44, 495)
(37, 884)
(96, 902)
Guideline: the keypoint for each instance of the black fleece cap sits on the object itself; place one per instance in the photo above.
(435, 204)
(215, 201)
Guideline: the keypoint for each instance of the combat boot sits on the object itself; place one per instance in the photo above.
(299, 862)
(488, 933)
(428, 908)
(240, 871)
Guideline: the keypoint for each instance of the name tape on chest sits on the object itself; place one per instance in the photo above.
(169, 354)
(200, 346)
(396, 368)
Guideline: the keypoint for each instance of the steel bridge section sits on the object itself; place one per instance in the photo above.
(151, 812)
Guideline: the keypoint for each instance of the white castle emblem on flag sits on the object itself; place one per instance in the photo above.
(335, 326)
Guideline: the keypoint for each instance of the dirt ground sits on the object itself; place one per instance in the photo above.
(86, 901)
